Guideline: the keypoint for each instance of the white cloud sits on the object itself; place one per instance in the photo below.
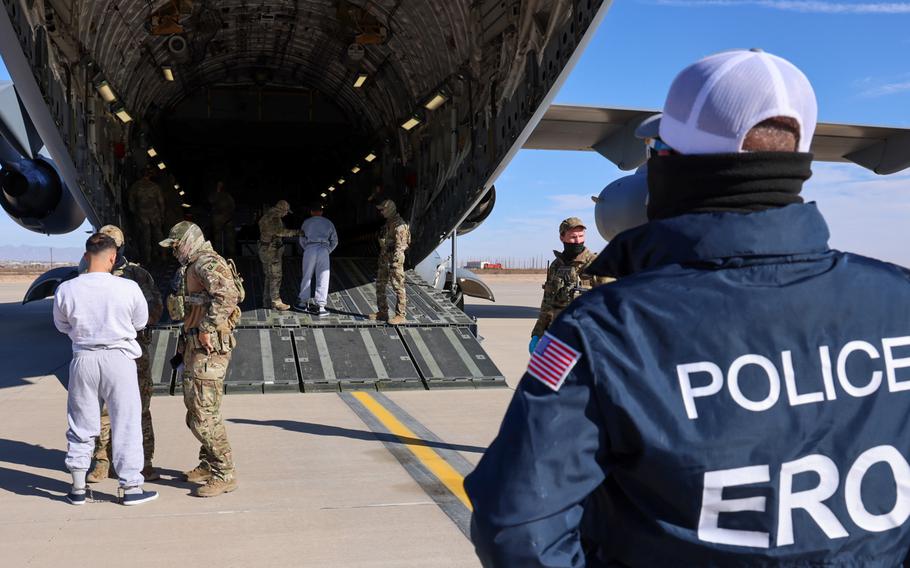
(887, 89)
(807, 6)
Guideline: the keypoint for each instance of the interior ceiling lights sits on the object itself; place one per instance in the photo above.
(361, 79)
(370, 157)
(121, 113)
(107, 94)
(410, 123)
(152, 153)
(168, 72)
(436, 101)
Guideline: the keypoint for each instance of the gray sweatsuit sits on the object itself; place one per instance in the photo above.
(101, 313)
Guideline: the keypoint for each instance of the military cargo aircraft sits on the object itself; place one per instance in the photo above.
(340, 100)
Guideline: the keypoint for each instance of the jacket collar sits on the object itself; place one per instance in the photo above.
(715, 239)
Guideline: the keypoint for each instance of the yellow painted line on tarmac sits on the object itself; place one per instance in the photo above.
(438, 466)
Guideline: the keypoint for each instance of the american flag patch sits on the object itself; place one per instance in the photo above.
(552, 361)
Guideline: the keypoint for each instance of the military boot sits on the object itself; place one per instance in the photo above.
(101, 472)
(199, 474)
(149, 473)
(280, 306)
(381, 315)
(216, 487)
(397, 320)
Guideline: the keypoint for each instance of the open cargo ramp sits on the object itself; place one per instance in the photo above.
(436, 347)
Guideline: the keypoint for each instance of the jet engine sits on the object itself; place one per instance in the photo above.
(622, 205)
(34, 196)
(32, 191)
(479, 214)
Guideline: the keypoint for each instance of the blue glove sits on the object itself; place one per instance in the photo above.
(533, 345)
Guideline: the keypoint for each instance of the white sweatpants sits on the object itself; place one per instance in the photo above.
(109, 376)
(315, 260)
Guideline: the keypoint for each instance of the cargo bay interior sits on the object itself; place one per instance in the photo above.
(304, 99)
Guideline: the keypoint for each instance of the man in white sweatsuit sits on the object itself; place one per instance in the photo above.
(317, 239)
(102, 313)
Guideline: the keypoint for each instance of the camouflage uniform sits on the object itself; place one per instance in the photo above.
(394, 240)
(146, 203)
(271, 230)
(140, 276)
(210, 296)
(223, 222)
(565, 281)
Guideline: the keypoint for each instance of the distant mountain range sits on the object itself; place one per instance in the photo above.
(27, 253)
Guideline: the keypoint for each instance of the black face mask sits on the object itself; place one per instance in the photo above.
(571, 250)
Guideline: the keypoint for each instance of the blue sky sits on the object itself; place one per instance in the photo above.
(854, 53)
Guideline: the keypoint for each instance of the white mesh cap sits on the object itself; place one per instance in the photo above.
(713, 103)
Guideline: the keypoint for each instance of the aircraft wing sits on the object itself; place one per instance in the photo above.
(611, 133)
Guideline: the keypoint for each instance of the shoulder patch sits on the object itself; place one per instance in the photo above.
(552, 361)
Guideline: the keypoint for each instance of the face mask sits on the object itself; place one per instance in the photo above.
(571, 250)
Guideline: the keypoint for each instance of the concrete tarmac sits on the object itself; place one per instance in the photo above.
(318, 486)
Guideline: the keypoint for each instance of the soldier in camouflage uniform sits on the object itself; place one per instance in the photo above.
(146, 203)
(394, 240)
(140, 276)
(271, 230)
(222, 220)
(566, 279)
(207, 304)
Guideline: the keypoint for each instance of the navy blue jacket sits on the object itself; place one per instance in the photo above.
(742, 398)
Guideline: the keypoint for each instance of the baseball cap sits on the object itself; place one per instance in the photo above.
(570, 223)
(713, 103)
(113, 232)
(282, 204)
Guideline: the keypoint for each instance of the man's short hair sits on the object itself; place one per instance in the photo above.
(99, 243)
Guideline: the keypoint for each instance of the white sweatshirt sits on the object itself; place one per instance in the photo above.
(101, 311)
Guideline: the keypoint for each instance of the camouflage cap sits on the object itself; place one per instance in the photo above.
(570, 223)
(387, 207)
(185, 238)
(282, 204)
(177, 232)
(114, 232)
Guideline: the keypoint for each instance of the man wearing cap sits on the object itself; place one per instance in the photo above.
(566, 277)
(736, 397)
(271, 231)
(317, 239)
(146, 203)
(206, 302)
(131, 271)
(394, 240)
